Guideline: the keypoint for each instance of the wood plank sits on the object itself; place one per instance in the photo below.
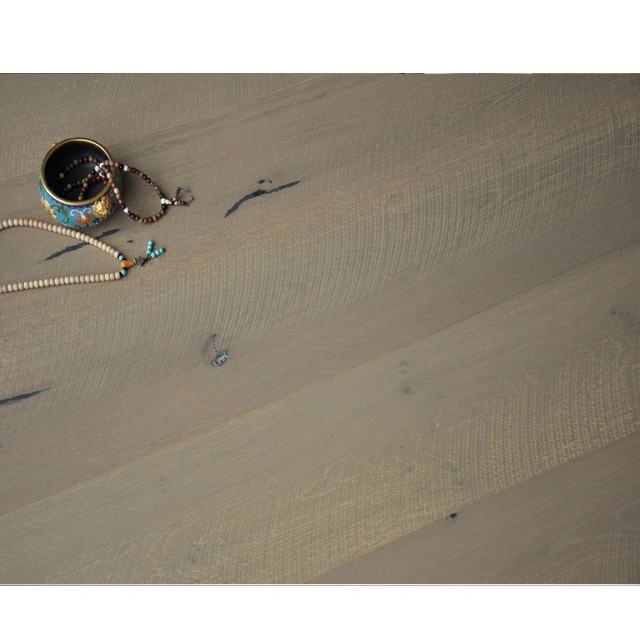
(303, 484)
(401, 127)
(314, 295)
(578, 523)
(39, 109)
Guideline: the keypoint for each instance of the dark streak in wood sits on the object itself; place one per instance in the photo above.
(73, 247)
(22, 396)
(259, 192)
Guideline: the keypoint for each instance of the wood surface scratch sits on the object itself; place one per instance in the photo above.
(21, 396)
(259, 192)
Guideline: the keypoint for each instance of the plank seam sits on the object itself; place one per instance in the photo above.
(488, 497)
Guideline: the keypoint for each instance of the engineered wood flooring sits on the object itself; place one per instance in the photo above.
(429, 289)
(592, 536)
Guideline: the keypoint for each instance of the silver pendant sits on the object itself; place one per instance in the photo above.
(221, 356)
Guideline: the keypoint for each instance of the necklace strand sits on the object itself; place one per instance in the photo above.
(104, 172)
(100, 277)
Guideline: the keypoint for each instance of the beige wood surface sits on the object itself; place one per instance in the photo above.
(38, 109)
(441, 307)
(510, 538)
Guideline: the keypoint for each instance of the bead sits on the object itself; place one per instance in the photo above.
(123, 272)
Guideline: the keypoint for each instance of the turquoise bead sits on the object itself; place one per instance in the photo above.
(161, 250)
(120, 257)
(123, 272)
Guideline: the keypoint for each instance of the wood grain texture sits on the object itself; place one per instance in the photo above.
(112, 108)
(448, 285)
(307, 482)
(578, 523)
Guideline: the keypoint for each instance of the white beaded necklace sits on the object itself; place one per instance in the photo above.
(100, 277)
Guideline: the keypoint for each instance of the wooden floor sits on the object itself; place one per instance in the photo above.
(429, 287)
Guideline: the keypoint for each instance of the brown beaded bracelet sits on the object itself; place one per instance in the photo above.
(106, 168)
(103, 172)
(91, 178)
